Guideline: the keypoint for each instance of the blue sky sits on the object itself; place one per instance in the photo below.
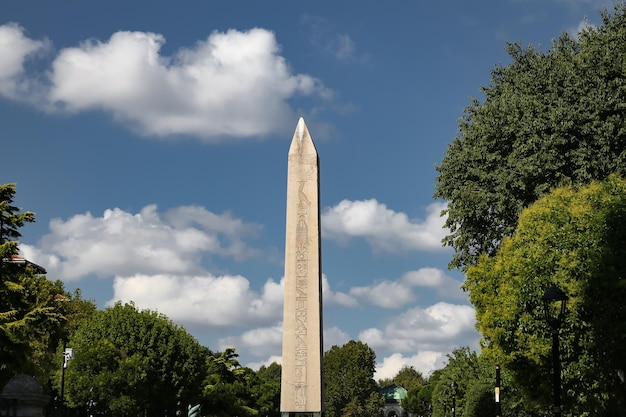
(151, 140)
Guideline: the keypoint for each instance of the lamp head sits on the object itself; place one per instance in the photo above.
(554, 296)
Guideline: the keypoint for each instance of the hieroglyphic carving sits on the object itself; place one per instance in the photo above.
(301, 377)
(302, 272)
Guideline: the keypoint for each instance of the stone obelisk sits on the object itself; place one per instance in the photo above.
(301, 381)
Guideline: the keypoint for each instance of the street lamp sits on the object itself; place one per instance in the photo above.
(554, 305)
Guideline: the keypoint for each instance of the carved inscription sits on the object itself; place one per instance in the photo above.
(302, 271)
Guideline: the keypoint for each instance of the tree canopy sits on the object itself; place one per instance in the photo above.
(547, 119)
(573, 237)
(130, 362)
(349, 386)
(32, 320)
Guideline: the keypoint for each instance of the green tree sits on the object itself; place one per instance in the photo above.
(547, 119)
(131, 362)
(31, 320)
(463, 370)
(267, 390)
(226, 388)
(13, 346)
(408, 378)
(573, 237)
(35, 313)
(349, 386)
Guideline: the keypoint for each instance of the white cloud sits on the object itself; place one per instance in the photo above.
(124, 244)
(396, 294)
(334, 336)
(401, 292)
(336, 298)
(425, 362)
(205, 300)
(15, 49)
(444, 285)
(433, 328)
(264, 341)
(384, 229)
(231, 85)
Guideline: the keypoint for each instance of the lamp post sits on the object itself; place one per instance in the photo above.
(554, 305)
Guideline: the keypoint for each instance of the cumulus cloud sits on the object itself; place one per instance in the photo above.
(15, 49)
(336, 298)
(233, 84)
(425, 362)
(184, 299)
(397, 294)
(384, 229)
(425, 329)
(122, 243)
(260, 342)
(400, 292)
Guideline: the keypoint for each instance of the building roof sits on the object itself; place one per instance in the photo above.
(394, 392)
(16, 259)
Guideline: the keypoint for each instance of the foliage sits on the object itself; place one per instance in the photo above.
(547, 119)
(462, 371)
(130, 362)
(408, 378)
(227, 386)
(419, 399)
(349, 386)
(32, 319)
(12, 319)
(267, 390)
(573, 237)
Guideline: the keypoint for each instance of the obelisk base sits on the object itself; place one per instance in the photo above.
(302, 414)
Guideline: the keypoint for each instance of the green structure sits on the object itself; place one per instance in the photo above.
(393, 401)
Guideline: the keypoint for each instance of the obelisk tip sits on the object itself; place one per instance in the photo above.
(302, 143)
(301, 128)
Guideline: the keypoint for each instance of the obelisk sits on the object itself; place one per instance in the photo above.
(301, 381)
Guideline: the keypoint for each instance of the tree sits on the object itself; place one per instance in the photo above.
(547, 119)
(226, 388)
(463, 370)
(349, 386)
(31, 320)
(35, 313)
(12, 319)
(131, 362)
(573, 237)
(267, 391)
(407, 377)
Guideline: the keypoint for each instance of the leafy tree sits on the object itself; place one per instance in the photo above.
(267, 390)
(547, 119)
(131, 362)
(226, 388)
(407, 377)
(419, 399)
(463, 370)
(573, 237)
(32, 321)
(349, 386)
(12, 319)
